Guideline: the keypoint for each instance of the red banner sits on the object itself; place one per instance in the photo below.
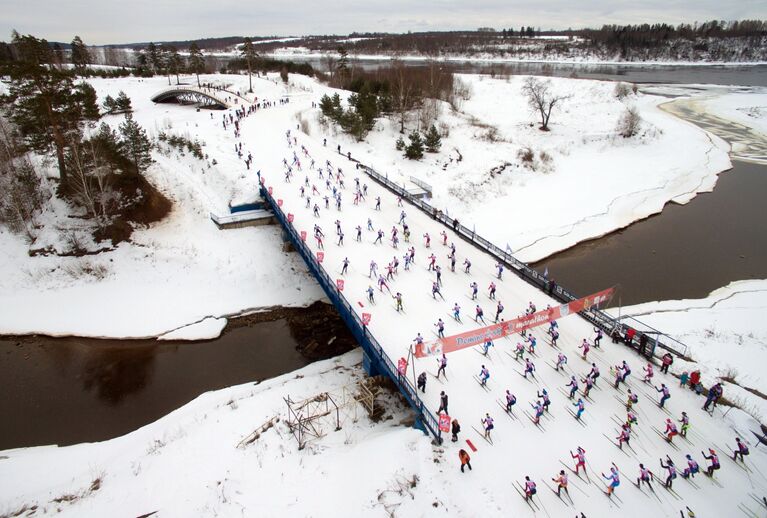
(303, 235)
(279, 203)
(320, 256)
(340, 284)
(290, 218)
(270, 190)
(366, 319)
(496, 331)
(444, 423)
(402, 366)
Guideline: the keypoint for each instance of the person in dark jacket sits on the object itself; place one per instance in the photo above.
(455, 428)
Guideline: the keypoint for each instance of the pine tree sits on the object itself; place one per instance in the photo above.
(342, 66)
(80, 55)
(414, 150)
(248, 51)
(400, 144)
(110, 106)
(433, 140)
(135, 144)
(86, 96)
(196, 61)
(154, 57)
(123, 103)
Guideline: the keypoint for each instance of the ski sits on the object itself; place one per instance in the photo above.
(532, 420)
(529, 502)
(487, 440)
(507, 412)
(483, 385)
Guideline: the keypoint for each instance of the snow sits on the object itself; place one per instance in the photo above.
(183, 270)
(726, 334)
(206, 329)
(746, 108)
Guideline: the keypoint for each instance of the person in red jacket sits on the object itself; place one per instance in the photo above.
(465, 459)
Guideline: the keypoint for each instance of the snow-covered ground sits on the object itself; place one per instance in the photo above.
(749, 109)
(726, 334)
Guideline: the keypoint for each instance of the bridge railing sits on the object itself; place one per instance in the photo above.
(368, 342)
(191, 89)
(595, 316)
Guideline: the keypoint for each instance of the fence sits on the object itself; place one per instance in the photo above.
(595, 316)
(374, 351)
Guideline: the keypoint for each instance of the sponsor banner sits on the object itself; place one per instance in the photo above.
(497, 331)
(444, 423)
(290, 218)
(279, 203)
(402, 366)
(303, 235)
(366, 318)
(270, 190)
(320, 256)
(340, 284)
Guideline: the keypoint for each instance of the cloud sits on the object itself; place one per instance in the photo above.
(111, 21)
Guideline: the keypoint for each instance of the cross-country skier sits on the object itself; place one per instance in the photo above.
(345, 266)
(444, 238)
(457, 312)
(589, 385)
(467, 265)
(663, 389)
(442, 366)
(442, 401)
(440, 325)
(692, 467)
(573, 387)
(499, 267)
(402, 216)
(561, 481)
(685, 421)
(370, 224)
(498, 311)
(474, 289)
(545, 397)
(435, 291)
(378, 203)
(554, 336)
(532, 343)
(581, 407)
(479, 315)
(379, 237)
(594, 373)
(491, 288)
(438, 271)
(538, 411)
(487, 422)
(614, 479)
(359, 233)
(585, 346)
(486, 346)
(530, 488)
(741, 449)
(432, 261)
(644, 476)
(625, 436)
(427, 240)
(597, 338)
(373, 270)
(484, 375)
(561, 361)
(671, 471)
(519, 352)
(631, 400)
(580, 459)
(714, 458)
(648, 373)
(370, 294)
(529, 368)
(511, 400)
(382, 284)
(398, 300)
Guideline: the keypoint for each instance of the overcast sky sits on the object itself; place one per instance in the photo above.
(111, 21)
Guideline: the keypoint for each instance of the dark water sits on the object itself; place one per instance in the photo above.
(70, 390)
(686, 251)
(753, 75)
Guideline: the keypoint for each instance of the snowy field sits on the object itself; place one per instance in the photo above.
(183, 270)
(748, 109)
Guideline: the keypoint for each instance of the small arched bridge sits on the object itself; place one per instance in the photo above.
(203, 97)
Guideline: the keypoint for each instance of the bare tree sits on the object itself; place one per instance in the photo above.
(91, 184)
(629, 123)
(404, 93)
(541, 99)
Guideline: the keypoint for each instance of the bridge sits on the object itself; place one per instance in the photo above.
(200, 96)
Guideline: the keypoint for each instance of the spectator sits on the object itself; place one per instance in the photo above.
(667, 361)
(465, 459)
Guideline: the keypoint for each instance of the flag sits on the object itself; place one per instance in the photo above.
(546, 273)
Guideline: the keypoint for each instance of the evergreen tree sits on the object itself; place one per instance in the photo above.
(326, 106)
(154, 57)
(414, 150)
(44, 104)
(400, 144)
(433, 140)
(123, 103)
(80, 55)
(342, 65)
(248, 52)
(110, 106)
(135, 144)
(196, 61)
(175, 62)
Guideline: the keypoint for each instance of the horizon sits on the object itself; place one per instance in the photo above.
(142, 21)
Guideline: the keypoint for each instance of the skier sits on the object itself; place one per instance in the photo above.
(613, 478)
(474, 288)
(581, 459)
(685, 421)
(370, 294)
(671, 471)
(561, 481)
(498, 311)
(573, 387)
(486, 346)
(457, 312)
(435, 291)
(480, 315)
(648, 373)
(340, 239)
(427, 240)
(484, 375)
(359, 233)
(631, 400)
(533, 342)
(499, 267)
(440, 325)
(491, 288)
(398, 300)
(692, 467)
(432, 262)
(597, 338)
(561, 361)
(488, 424)
(741, 450)
(625, 436)
(589, 384)
(529, 368)
(382, 284)
(370, 224)
(530, 489)
(519, 352)
(644, 476)
(714, 458)
(455, 429)
(373, 270)
(465, 459)
(320, 245)
(422, 382)
(444, 238)
(345, 266)
(379, 238)
(442, 403)
(442, 366)
(585, 346)
(581, 407)
(594, 373)
(546, 400)
(538, 410)
(402, 217)
(438, 270)
(418, 340)
(378, 203)
(511, 400)
(554, 337)
(631, 418)
(626, 370)
(665, 394)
